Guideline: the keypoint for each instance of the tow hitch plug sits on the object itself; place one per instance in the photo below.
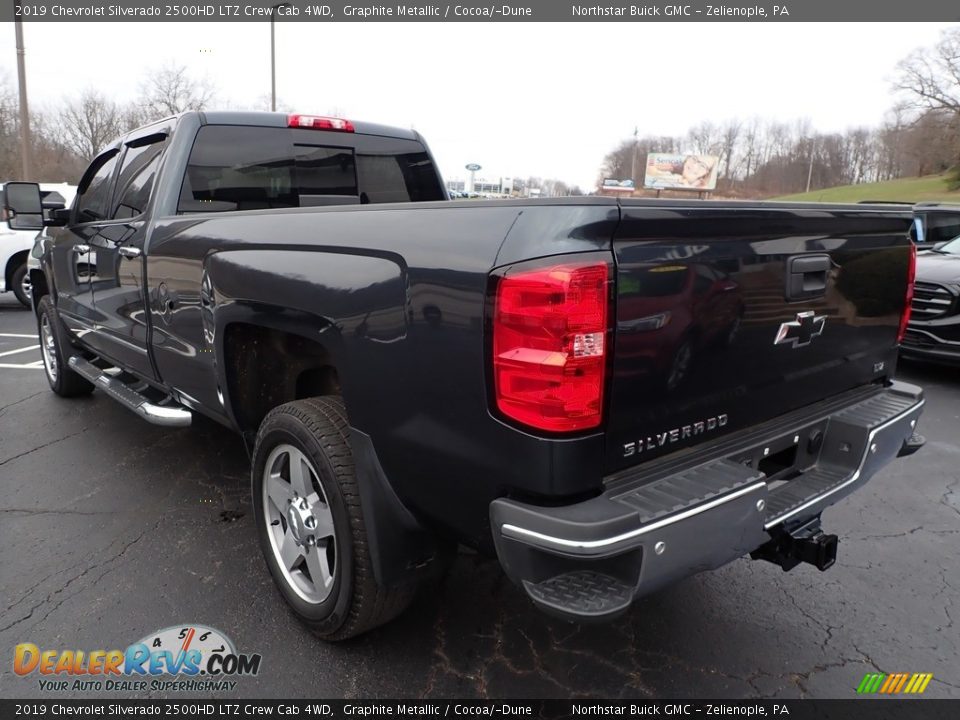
(807, 544)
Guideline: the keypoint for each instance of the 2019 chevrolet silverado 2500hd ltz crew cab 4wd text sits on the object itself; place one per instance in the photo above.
(608, 395)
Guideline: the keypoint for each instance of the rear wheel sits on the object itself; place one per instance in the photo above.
(310, 524)
(21, 284)
(63, 380)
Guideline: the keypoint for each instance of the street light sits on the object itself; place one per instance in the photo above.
(273, 57)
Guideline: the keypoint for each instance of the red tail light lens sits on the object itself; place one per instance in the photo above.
(549, 345)
(911, 276)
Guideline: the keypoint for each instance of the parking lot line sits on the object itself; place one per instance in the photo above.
(19, 350)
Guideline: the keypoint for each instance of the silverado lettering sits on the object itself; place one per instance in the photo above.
(675, 435)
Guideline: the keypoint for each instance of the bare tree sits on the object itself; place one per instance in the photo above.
(170, 90)
(9, 128)
(90, 122)
(705, 138)
(929, 79)
(729, 134)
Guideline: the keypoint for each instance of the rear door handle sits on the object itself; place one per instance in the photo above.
(81, 249)
(806, 276)
(129, 252)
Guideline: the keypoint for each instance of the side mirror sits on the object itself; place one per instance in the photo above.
(23, 205)
(58, 217)
(939, 245)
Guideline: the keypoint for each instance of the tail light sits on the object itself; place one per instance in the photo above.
(316, 122)
(549, 345)
(911, 276)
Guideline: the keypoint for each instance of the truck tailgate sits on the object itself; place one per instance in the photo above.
(730, 314)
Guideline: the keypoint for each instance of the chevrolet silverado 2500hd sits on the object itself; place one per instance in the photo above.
(609, 395)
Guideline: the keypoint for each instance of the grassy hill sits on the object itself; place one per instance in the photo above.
(929, 187)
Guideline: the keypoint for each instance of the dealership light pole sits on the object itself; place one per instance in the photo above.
(27, 165)
(273, 57)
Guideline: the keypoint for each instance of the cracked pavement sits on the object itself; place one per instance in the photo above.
(111, 528)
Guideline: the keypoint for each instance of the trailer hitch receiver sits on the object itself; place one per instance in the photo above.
(808, 544)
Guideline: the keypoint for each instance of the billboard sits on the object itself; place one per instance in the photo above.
(666, 171)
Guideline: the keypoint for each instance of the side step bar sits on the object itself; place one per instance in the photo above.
(166, 415)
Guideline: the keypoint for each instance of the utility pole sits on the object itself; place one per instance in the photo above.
(633, 165)
(810, 169)
(273, 57)
(26, 160)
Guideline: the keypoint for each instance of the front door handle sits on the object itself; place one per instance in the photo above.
(129, 252)
(81, 249)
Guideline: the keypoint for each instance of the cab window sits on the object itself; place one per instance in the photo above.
(93, 202)
(135, 182)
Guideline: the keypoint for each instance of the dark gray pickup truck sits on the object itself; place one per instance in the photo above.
(608, 395)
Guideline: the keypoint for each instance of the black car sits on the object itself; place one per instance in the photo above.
(934, 330)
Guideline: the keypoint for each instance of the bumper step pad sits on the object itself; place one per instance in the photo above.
(582, 593)
(687, 489)
(852, 443)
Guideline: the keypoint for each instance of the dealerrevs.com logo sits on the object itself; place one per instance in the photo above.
(183, 658)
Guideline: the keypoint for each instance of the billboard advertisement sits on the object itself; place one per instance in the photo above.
(667, 171)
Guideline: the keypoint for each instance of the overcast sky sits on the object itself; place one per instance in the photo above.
(519, 98)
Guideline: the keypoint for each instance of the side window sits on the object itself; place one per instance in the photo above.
(135, 182)
(94, 202)
(942, 226)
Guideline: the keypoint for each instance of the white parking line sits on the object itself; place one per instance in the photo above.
(34, 365)
(20, 350)
(38, 365)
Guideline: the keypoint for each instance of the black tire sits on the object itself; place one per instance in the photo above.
(64, 381)
(318, 428)
(16, 282)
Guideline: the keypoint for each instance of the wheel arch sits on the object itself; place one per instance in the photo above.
(13, 262)
(266, 364)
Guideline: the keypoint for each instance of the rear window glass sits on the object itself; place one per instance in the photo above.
(252, 168)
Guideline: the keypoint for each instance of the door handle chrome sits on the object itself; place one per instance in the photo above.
(81, 249)
(129, 252)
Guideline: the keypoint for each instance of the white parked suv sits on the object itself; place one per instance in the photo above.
(15, 245)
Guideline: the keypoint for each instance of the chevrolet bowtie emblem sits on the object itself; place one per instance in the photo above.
(802, 330)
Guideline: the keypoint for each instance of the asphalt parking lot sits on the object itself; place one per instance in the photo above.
(111, 528)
